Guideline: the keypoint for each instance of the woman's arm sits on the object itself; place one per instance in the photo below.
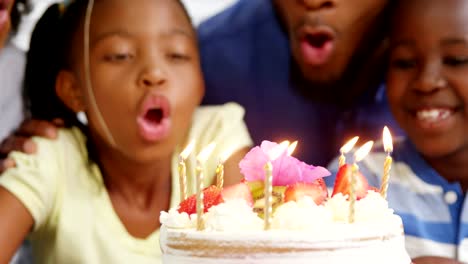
(15, 224)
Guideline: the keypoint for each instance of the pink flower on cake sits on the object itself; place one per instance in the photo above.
(287, 170)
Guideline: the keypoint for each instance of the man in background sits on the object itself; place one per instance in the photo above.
(307, 70)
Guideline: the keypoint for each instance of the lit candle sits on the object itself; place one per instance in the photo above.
(268, 195)
(360, 154)
(345, 149)
(388, 147)
(220, 175)
(201, 159)
(292, 147)
(220, 169)
(183, 170)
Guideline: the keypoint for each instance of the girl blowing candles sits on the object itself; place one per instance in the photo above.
(95, 194)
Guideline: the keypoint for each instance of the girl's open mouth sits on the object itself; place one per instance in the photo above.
(154, 122)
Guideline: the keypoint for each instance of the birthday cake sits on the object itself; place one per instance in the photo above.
(307, 225)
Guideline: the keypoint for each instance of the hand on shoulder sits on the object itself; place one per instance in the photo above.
(434, 260)
(20, 140)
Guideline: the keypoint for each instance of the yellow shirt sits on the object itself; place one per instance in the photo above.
(74, 219)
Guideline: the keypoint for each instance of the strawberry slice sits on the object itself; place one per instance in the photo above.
(317, 190)
(238, 191)
(211, 196)
(343, 181)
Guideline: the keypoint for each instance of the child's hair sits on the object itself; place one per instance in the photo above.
(20, 8)
(51, 51)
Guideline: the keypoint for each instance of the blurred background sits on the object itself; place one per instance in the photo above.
(198, 9)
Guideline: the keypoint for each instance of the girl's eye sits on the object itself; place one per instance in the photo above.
(403, 64)
(455, 61)
(118, 57)
(177, 56)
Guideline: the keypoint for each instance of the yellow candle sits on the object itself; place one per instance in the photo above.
(199, 187)
(220, 175)
(360, 154)
(201, 158)
(183, 170)
(388, 147)
(182, 180)
(341, 160)
(386, 176)
(268, 195)
(345, 149)
(352, 192)
(220, 168)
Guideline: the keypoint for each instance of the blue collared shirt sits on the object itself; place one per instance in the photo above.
(434, 211)
(246, 58)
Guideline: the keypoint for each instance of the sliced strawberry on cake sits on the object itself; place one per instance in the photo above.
(238, 191)
(317, 190)
(211, 196)
(343, 182)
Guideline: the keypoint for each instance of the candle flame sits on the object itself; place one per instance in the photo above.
(278, 150)
(349, 145)
(186, 152)
(387, 140)
(362, 152)
(284, 144)
(292, 147)
(205, 153)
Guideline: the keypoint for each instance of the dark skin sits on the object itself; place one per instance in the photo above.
(351, 53)
(5, 28)
(348, 24)
(434, 260)
(153, 42)
(355, 62)
(428, 74)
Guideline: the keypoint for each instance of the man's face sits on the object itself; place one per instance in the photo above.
(324, 35)
(5, 21)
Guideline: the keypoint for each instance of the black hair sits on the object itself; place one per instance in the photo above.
(51, 51)
(44, 61)
(20, 8)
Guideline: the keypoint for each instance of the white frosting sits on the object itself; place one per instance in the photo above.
(339, 206)
(301, 232)
(301, 215)
(373, 208)
(174, 219)
(370, 208)
(233, 215)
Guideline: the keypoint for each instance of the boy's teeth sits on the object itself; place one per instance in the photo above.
(433, 115)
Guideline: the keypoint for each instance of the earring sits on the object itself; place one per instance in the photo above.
(81, 116)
